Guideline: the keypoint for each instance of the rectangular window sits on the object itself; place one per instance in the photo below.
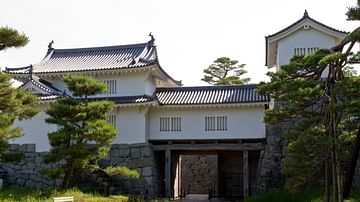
(218, 123)
(312, 50)
(304, 51)
(210, 123)
(221, 123)
(170, 124)
(112, 120)
(111, 86)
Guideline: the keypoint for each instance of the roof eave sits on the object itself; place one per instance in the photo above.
(216, 105)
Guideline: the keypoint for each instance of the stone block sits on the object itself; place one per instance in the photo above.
(118, 161)
(20, 182)
(114, 152)
(124, 146)
(23, 148)
(140, 163)
(30, 148)
(124, 152)
(149, 180)
(35, 178)
(146, 151)
(28, 172)
(14, 147)
(38, 185)
(30, 183)
(135, 152)
(147, 171)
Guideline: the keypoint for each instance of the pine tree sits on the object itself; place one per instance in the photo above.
(219, 72)
(10, 37)
(320, 106)
(84, 135)
(14, 103)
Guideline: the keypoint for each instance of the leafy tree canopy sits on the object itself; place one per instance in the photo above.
(10, 37)
(225, 71)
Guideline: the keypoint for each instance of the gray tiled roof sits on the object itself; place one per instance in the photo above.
(127, 99)
(97, 58)
(210, 95)
(44, 85)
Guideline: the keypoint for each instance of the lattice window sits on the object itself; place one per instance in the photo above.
(304, 51)
(312, 50)
(210, 123)
(218, 123)
(299, 51)
(170, 124)
(111, 86)
(112, 120)
(221, 123)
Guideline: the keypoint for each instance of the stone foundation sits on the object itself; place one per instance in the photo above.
(270, 173)
(136, 156)
(27, 171)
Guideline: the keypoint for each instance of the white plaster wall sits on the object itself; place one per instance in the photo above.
(35, 132)
(242, 123)
(301, 39)
(128, 84)
(131, 126)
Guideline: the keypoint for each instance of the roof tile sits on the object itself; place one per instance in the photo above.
(210, 95)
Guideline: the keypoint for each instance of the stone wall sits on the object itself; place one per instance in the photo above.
(27, 171)
(198, 173)
(136, 156)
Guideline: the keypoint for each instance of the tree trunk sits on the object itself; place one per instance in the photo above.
(352, 166)
(339, 178)
(333, 169)
(68, 174)
(327, 181)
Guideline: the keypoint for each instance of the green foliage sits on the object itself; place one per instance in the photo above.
(84, 135)
(302, 97)
(15, 194)
(12, 156)
(123, 171)
(307, 195)
(14, 103)
(84, 86)
(353, 12)
(10, 37)
(219, 72)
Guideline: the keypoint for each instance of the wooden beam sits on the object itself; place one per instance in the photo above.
(203, 147)
(168, 173)
(246, 173)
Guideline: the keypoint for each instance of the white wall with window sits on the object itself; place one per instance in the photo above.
(302, 42)
(129, 84)
(208, 123)
(168, 124)
(215, 123)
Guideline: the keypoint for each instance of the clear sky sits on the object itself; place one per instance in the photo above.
(190, 34)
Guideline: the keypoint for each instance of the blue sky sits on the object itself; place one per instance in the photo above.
(190, 34)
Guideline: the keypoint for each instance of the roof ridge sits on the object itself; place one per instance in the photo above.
(138, 45)
(305, 16)
(207, 87)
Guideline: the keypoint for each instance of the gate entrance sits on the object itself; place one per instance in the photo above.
(219, 170)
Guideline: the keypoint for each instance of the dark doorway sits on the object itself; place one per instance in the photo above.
(230, 174)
